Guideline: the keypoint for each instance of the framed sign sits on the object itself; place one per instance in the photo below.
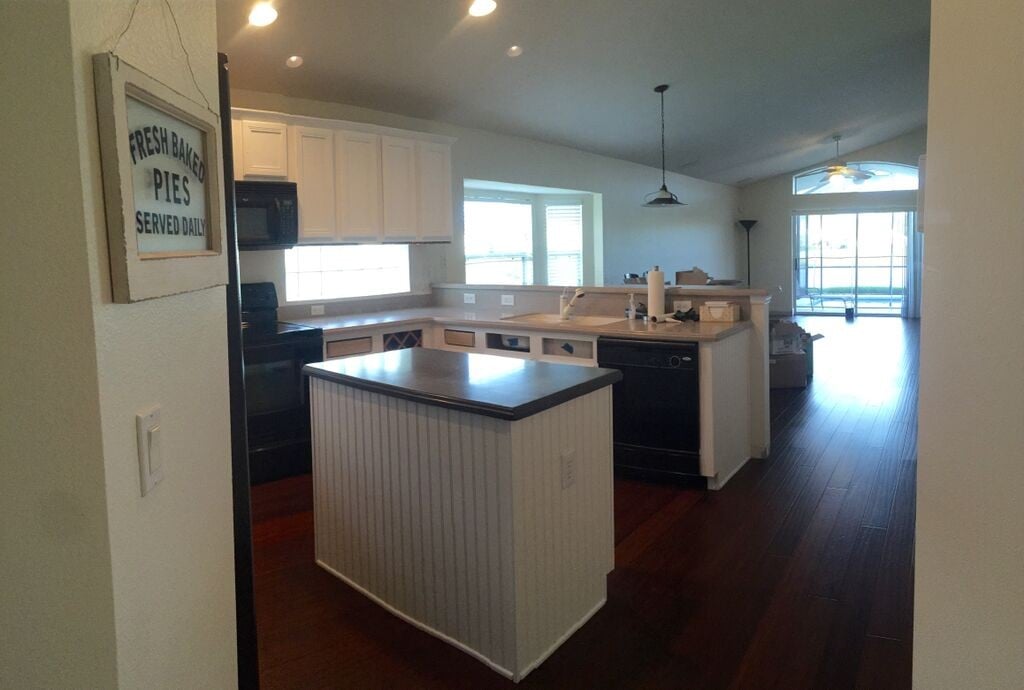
(162, 185)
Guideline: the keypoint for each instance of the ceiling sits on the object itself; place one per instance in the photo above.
(757, 88)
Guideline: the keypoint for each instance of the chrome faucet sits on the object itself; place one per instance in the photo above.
(567, 304)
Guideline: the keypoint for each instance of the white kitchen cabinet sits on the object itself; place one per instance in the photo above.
(357, 183)
(313, 161)
(358, 196)
(434, 191)
(399, 188)
(264, 149)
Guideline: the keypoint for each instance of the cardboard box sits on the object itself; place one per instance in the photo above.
(788, 338)
(788, 371)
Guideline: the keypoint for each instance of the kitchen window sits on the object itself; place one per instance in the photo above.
(529, 235)
(499, 241)
(337, 272)
(563, 230)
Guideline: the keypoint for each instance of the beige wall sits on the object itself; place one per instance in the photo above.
(56, 597)
(771, 203)
(635, 238)
(160, 568)
(969, 595)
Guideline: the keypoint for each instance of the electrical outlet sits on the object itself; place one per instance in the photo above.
(568, 468)
(508, 300)
(469, 298)
(317, 310)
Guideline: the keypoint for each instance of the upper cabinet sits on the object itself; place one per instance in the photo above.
(398, 165)
(358, 186)
(434, 190)
(356, 183)
(313, 166)
(264, 150)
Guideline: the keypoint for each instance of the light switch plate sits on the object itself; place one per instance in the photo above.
(316, 310)
(508, 300)
(469, 298)
(147, 430)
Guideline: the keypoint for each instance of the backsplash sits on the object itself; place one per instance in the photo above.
(599, 301)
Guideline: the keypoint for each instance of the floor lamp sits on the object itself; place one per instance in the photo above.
(747, 225)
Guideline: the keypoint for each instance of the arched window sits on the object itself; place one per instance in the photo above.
(880, 177)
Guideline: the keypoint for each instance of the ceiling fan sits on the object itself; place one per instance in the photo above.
(839, 168)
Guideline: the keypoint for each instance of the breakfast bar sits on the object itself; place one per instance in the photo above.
(469, 494)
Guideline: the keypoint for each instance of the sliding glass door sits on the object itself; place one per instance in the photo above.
(854, 260)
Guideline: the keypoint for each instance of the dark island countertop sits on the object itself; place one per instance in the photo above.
(490, 385)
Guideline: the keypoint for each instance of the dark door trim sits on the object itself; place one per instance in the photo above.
(245, 614)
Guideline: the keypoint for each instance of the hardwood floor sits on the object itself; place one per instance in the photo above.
(799, 574)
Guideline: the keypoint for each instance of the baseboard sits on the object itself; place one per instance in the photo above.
(513, 676)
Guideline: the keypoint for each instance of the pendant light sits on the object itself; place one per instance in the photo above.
(662, 198)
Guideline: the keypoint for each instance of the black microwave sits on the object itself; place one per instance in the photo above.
(267, 214)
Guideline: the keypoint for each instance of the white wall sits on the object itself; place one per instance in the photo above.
(635, 238)
(969, 594)
(159, 568)
(771, 203)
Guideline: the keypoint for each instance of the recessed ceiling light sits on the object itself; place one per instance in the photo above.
(514, 51)
(262, 14)
(294, 61)
(482, 8)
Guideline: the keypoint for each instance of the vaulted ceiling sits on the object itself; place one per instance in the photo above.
(757, 87)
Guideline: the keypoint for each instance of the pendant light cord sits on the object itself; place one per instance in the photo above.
(662, 138)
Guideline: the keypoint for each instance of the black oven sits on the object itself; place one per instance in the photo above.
(267, 213)
(277, 404)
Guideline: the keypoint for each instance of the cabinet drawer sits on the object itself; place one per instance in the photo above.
(459, 338)
(347, 348)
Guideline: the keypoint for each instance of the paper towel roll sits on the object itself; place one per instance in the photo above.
(656, 291)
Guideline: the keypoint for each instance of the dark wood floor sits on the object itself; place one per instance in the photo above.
(799, 574)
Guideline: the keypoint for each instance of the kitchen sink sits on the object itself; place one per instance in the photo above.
(556, 320)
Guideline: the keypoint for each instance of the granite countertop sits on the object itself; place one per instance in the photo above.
(449, 316)
(490, 385)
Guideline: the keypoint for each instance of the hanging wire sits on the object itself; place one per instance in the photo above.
(181, 43)
(188, 60)
(663, 138)
(131, 18)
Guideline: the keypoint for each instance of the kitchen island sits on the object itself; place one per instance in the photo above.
(469, 494)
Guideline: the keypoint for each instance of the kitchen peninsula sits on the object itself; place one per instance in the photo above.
(731, 358)
(470, 494)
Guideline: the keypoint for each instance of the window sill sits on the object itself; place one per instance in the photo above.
(361, 298)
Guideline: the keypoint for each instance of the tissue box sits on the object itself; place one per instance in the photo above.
(720, 311)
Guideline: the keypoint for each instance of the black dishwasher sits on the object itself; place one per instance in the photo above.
(656, 408)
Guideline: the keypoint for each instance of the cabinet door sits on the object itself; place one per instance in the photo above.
(314, 177)
(434, 187)
(236, 148)
(357, 185)
(398, 166)
(264, 149)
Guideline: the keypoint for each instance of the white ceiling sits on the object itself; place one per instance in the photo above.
(757, 86)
